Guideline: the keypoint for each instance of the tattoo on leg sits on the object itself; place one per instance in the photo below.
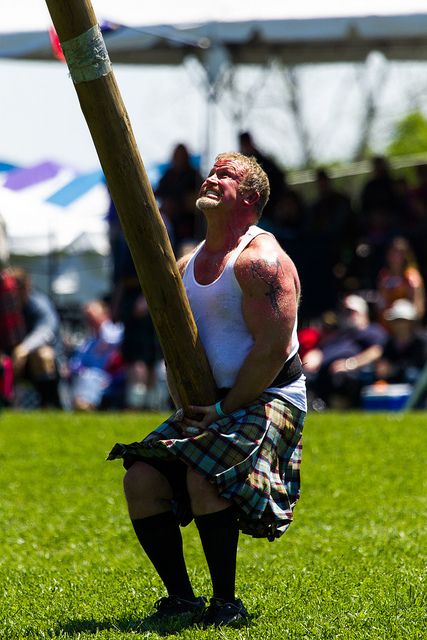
(271, 280)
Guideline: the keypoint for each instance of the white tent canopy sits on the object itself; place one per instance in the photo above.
(166, 32)
(64, 246)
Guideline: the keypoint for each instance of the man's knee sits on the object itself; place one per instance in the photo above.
(41, 362)
(142, 480)
(204, 495)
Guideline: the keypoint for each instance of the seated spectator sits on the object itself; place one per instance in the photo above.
(37, 357)
(400, 278)
(404, 354)
(309, 337)
(6, 381)
(336, 366)
(12, 327)
(96, 367)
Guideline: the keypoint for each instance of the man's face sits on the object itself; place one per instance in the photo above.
(353, 318)
(220, 190)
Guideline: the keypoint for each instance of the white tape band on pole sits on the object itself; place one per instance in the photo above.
(87, 56)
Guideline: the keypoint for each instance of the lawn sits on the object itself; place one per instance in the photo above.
(351, 566)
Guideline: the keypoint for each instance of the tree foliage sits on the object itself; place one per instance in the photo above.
(409, 135)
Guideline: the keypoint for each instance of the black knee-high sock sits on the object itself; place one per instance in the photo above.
(219, 533)
(160, 537)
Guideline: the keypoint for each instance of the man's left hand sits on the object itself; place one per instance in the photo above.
(206, 416)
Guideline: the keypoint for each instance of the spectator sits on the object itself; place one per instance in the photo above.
(12, 328)
(381, 212)
(379, 192)
(328, 241)
(177, 191)
(400, 278)
(416, 227)
(115, 238)
(274, 173)
(97, 367)
(309, 337)
(140, 347)
(287, 224)
(404, 353)
(37, 357)
(419, 193)
(336, 366)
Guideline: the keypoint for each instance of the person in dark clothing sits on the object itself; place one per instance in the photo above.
(12, 327)
(176, 190)
(140, 347)
(379, 192)
(404, 354)
(274, 173)
(380, 214)
(328, 242)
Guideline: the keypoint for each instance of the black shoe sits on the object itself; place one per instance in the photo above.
(223, 614)
(175, 607)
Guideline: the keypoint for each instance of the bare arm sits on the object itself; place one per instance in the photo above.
(270, 289)
(363, 359)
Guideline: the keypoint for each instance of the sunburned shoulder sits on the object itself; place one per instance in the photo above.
(268, 278)
(265, 256)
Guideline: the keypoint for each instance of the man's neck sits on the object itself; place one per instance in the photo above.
(223, 236)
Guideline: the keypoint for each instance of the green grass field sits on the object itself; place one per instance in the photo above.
(351, 566)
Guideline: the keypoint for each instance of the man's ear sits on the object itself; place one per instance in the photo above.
(251, 198)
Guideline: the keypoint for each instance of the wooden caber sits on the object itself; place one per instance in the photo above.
(145, 232)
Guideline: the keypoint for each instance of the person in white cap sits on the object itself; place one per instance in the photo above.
(405, 351)
(334, 368)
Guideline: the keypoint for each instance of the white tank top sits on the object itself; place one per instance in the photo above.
(217, 310)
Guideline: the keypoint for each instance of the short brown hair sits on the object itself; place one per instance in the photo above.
(254, 178)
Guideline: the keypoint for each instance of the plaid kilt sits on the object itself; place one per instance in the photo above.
(252, 456)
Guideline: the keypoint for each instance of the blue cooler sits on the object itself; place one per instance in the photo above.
(385, 397)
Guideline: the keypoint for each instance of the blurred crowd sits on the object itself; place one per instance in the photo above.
(362, 320)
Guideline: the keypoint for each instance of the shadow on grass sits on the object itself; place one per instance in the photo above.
(73, 628)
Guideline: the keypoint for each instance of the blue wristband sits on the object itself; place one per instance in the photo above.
(219, 410)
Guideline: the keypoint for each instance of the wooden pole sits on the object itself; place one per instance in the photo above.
(84, 49)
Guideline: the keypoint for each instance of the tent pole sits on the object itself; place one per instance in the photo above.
(146, 235)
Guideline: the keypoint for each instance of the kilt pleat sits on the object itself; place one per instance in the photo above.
(252, 456)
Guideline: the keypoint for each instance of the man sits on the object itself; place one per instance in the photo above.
(37, 355)
(334, 367)
(404, 354)
(235, 467)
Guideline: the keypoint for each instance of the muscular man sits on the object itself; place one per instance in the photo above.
(235, 467)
